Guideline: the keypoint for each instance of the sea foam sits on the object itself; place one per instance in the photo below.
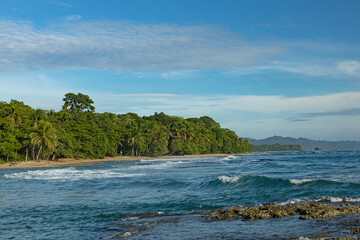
(228, 179)
(328, 199)
(231, 157)
(338, 199)
(162, 165)
(300, 181)
(69, 174)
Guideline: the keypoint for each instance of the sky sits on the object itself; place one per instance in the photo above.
(258, 67)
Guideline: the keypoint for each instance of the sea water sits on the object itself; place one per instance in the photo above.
(166, 198)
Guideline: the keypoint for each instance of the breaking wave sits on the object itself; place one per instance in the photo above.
(300, 181)
(69, 174)
(328, 199)
(231, 157)
(166, 164)
(227, 179)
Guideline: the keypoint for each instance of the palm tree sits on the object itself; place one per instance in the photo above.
(37, 116)
(15, 118)
(136, 142)
(44, 135)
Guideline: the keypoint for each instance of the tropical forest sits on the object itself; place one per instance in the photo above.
(77, 131)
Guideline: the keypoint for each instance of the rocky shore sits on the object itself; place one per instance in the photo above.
(304, 211)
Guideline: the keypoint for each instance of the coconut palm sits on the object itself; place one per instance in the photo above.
(136, 142)
(44, 135)
(37, 116)
(15, 118)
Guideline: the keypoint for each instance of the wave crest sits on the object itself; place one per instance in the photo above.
(327, 199)
(166, 164)
(300, 181)
(69, 174)
(228, 179)
(231, 157)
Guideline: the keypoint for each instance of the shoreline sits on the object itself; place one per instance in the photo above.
(71, 162)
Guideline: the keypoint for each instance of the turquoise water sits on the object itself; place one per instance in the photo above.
(164, 198)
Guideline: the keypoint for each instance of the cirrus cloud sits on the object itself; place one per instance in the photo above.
(351, 68)
(121, 46)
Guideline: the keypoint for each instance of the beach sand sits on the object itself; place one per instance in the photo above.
(70, 162)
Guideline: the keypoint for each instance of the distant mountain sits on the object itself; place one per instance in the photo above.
(308, 144)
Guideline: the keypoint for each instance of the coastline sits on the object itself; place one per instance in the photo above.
(71, 162)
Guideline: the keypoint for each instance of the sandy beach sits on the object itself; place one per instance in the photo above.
(69, 162)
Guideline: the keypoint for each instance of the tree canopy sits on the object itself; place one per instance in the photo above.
(76, 103)
(78, 132)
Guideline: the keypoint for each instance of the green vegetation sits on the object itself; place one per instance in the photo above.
(308, 144)
(78, 132)
(275, 148)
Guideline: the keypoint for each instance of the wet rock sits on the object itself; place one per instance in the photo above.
(354, 231)
(306, 211)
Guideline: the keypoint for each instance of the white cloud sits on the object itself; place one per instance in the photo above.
(121, 46)
(147, 95)
(73, 17)
(179, 75)
(272, 105)
(351, 68)
(308, 68)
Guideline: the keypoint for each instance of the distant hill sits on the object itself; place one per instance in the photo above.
(308, 144)
(275, 148)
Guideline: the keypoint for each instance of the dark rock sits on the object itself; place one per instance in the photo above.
(306, 211)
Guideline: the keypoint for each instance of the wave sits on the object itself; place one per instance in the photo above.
(69, 174)
(166, 164)
(249, 179)
(261, 160)
(338, 199)
(265, 181)
(300, 181)
(162, 159)
(228, 179)
(324, 181)
(327, 199)
(231, 157)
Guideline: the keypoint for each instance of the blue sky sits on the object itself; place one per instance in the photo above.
(261, 68)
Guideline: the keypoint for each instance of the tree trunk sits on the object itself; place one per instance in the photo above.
(38, 155)
(27, 154)
(7, 158)
(33, 154)
(16, 154)
(53, 157)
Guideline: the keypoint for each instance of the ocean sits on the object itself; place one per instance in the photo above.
(167, 198)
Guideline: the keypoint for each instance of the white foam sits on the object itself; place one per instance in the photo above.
(338, 199)
(166, 164)
(231, 157)
(162, 159)
(129, 219)
(292, 201)
(331, 199)
(69, 174)
(300, 181)
(126, 234)
(228, 179)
